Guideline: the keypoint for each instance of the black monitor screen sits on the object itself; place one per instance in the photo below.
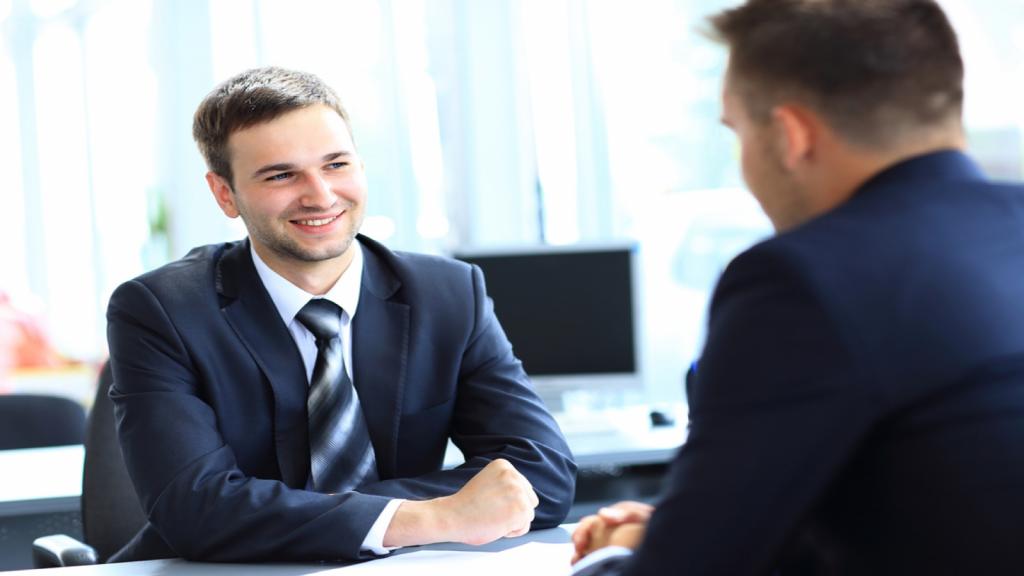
(565, 312)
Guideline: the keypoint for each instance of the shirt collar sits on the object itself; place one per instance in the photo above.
(289, 298)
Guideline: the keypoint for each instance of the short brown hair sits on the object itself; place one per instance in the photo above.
(252, 97)
(874, 69)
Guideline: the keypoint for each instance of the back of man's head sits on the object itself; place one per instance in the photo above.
(253, 97)
(878, 71)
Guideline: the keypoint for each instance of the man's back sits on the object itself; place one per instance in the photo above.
(859, 405)
(923, 273)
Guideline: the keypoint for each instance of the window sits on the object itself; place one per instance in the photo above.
(64, 191)
(13, 266)
(482, 124)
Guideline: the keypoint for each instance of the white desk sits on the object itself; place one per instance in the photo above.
(538, 553)
(40, 492)
(628, 438)
(616, 437)
(40, 480)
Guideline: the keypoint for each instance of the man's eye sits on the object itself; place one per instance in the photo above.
(337, 165)
(279, 177)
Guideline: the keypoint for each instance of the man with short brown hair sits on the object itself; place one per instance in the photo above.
(859, 404)
(291, 396)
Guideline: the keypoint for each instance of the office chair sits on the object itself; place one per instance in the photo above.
(111, 513)
(38, 421)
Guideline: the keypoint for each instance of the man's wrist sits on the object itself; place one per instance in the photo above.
(419, 522)
(374, 541)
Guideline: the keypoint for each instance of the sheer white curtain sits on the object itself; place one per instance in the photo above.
(481, 123)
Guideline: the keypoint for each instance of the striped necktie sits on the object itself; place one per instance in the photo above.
(340, 454)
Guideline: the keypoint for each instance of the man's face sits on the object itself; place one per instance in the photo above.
(760, 158)
(298, 185)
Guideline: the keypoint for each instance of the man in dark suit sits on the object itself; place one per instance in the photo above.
(859, 404)
(291, 396)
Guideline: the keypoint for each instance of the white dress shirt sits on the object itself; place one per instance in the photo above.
(289, 299)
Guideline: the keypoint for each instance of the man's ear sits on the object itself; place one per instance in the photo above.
(795, 130)
(222, 193)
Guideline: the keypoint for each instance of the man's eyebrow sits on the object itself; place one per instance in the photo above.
(285, 167)
(336, 155)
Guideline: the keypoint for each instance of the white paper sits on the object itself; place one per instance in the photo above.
(532, 559)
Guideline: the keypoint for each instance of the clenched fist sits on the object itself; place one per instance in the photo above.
(497, 502)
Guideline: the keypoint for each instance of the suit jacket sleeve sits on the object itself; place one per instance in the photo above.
(187, 476)
(775, 409)
(497, 414)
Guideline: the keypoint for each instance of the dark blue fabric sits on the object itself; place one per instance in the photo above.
(210, 397)
(859, 405)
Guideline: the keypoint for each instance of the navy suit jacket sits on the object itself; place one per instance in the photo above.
(210, 398)
(859, 405)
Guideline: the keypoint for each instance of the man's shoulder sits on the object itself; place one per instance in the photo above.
(413, 265)
(196, 270)
(829, 265)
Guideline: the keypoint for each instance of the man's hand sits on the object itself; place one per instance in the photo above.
(497, 502)
(620, 525)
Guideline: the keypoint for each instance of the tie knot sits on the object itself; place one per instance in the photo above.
(321, 317)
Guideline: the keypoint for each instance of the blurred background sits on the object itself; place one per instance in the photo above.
(483, 124)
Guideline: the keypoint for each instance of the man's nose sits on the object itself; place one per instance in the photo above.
(318, 192)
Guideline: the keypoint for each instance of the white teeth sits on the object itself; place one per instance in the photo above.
(317, 222)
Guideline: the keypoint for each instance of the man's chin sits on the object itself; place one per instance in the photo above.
(318, 254)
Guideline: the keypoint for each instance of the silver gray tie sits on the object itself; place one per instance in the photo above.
(340, 454)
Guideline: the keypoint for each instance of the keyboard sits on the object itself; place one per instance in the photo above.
(586, 423)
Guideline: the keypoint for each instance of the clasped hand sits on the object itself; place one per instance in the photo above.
(622, 524)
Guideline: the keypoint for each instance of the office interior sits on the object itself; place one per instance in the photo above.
(529, 136)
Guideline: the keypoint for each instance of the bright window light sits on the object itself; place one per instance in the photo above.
(380, 228)
(13, 265)
(546, 38)
(64, 192)
(122, 98)
(233, 42)
(419, 98)
(51, 8)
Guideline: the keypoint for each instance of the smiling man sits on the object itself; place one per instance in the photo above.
(291, 396)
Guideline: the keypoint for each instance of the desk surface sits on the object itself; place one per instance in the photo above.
(614, 437)
(628, 438)
(541, 552)
(41, 480)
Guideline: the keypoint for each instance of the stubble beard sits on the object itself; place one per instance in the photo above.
(287, 248)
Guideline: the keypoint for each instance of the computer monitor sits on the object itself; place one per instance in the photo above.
(571, 313)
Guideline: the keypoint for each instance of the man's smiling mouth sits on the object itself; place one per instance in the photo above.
(318, 221)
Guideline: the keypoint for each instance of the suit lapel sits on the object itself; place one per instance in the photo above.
(380, 347)
(249, 310)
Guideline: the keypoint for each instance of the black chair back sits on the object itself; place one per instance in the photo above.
(111, 513)
(38, 421)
